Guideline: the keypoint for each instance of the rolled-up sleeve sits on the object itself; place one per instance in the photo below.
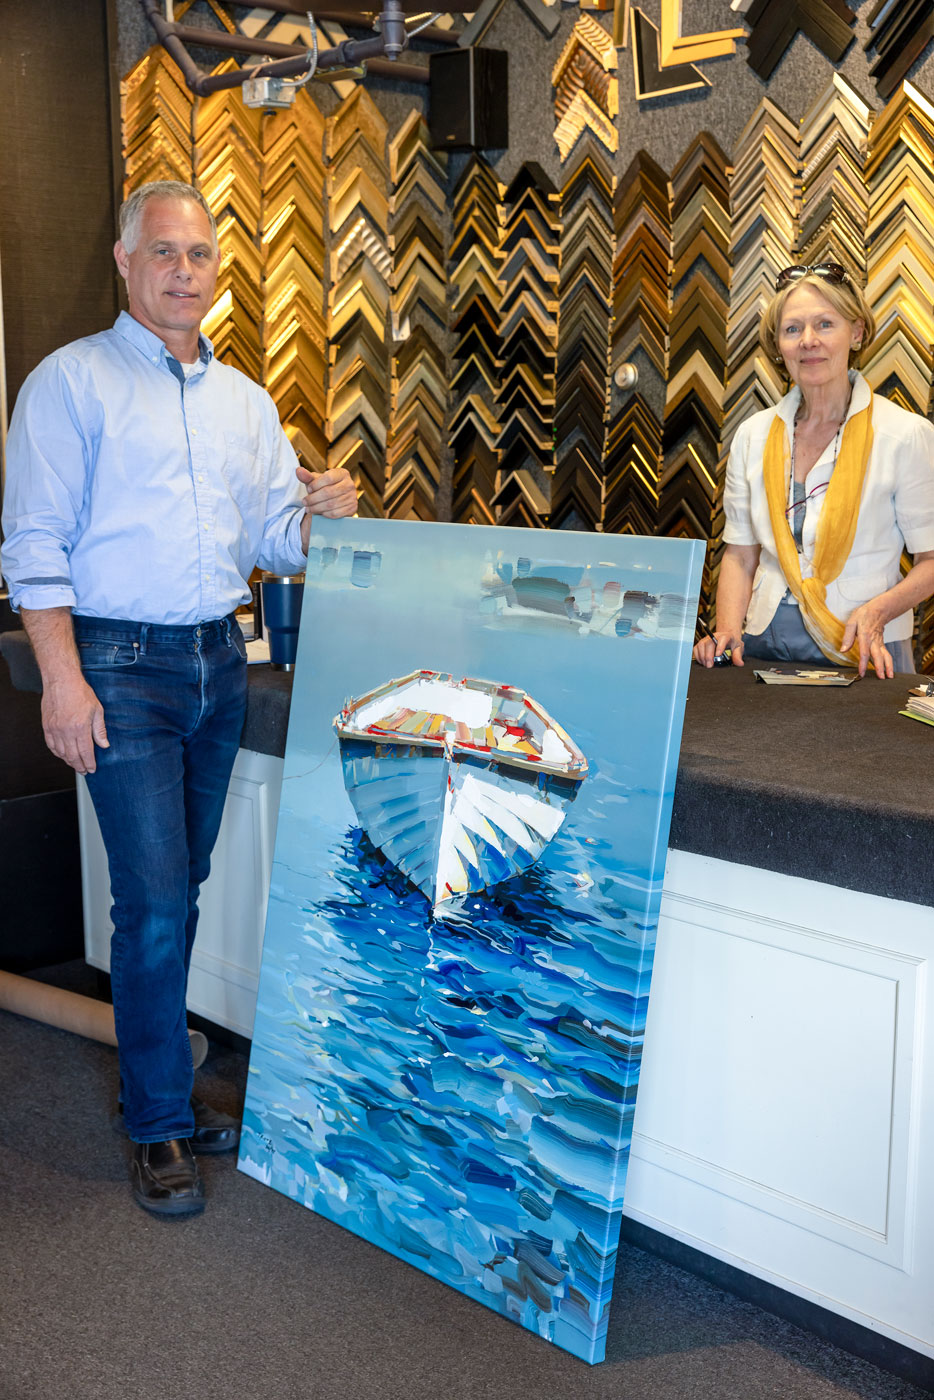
(281, 547)
(47, 468)
(737, 501)
(914, 487)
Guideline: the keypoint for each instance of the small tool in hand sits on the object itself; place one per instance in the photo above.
(723, 658)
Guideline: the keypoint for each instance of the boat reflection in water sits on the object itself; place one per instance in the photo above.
(460, 783)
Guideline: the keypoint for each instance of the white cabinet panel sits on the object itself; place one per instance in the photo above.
(806, 1039)
(785, 1120)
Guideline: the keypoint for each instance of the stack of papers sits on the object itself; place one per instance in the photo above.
(920, 704)
(802, 677)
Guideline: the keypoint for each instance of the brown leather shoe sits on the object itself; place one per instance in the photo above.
(165, 1178)
(214, 1131)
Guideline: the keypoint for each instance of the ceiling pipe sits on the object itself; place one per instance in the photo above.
(351, 52)
(173, 46)
(239, 43)
(362, 17)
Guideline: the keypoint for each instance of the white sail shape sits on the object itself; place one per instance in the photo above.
(486, 828)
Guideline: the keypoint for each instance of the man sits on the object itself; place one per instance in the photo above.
(145, 481)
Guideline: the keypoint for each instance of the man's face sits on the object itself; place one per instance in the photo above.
(170, 274)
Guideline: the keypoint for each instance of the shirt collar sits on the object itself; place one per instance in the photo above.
(149, 344)
(859, 399)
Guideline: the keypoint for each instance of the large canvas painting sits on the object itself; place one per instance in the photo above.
(475, 807)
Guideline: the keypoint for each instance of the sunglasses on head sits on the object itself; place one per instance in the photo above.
(829, 271)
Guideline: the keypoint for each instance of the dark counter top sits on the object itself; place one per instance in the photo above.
(267, 715)
(831, 785)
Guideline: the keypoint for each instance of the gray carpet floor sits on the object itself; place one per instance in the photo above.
(259, 1299)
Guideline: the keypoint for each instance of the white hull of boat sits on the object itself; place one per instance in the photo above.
(454, 826)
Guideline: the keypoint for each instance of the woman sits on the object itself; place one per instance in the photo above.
(822, 494)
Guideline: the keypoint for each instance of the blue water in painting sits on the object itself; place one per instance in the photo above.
(460, 1090)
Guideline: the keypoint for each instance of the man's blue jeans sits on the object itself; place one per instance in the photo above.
(174, 700)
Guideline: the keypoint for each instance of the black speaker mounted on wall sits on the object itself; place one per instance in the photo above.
(469, 99)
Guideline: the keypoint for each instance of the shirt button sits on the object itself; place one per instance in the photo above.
(200, 478)
(194, 432)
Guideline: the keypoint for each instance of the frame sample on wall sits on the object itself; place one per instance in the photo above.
(475, 808)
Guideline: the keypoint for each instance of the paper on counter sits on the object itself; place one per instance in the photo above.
(805, 677)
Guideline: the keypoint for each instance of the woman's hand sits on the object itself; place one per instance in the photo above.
(865, 625)
(726, 640)
(734, 589)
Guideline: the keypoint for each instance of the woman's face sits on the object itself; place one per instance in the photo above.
(815, 339)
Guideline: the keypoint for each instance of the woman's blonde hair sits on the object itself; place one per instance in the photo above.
(847, 298)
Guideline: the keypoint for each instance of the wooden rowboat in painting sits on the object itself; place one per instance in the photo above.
(460, 783)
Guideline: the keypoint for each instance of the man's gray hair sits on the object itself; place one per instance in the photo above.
(131, 210)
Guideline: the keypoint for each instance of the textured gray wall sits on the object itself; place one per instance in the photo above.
(665, 126)
(662, 126)
(134, 34)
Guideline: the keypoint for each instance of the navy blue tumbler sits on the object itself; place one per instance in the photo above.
(282, 610)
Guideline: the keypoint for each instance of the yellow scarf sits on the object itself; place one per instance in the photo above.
(836, 526)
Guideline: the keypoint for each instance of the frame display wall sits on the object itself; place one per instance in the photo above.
(451, 337)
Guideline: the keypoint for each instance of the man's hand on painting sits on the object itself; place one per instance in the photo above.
(331, 493)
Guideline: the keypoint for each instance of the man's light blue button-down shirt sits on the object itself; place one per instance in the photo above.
(136, 491)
